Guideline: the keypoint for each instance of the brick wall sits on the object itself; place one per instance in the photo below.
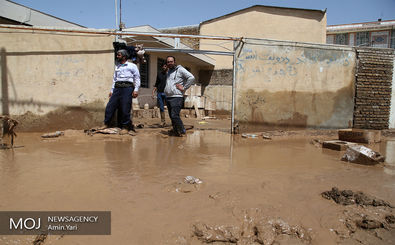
(216, 77)
(186, 30)
(373, 88)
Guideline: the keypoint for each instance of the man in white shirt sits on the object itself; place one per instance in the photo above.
(125, 87)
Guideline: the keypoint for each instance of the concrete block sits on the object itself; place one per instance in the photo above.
(360, 135)
(362, 155)
(337, 145)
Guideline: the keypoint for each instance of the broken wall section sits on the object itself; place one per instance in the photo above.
(373, 88)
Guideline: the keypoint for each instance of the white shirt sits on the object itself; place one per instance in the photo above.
(127, 72)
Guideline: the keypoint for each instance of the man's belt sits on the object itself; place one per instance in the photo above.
(123, 84)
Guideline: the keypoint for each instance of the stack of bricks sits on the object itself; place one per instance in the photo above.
(373, 88)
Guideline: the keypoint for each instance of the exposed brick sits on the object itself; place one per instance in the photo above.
(373, 88)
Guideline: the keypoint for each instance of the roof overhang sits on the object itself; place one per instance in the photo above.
(167, 46)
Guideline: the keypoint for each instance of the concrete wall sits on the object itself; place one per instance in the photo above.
(263, 22)
(221, 94)
(291, 84)
(42, 72)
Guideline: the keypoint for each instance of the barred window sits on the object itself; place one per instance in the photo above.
(144, 72)
(363, 39)
(341, 39)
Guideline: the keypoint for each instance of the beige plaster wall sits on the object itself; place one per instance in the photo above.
(44, 71)
(267, 23)
(221, 94)
(292, 84)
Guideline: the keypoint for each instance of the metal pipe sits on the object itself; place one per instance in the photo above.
(191, 51)
(120, 15)
(123, 33)
(233, 89)
(116, 14)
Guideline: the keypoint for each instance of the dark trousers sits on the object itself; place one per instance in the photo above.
(161, 99)
(120, 99)
(174, 105)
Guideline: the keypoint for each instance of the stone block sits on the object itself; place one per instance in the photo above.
(337, 145)
(360, 135)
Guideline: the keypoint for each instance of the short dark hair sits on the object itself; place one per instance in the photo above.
(170, 56)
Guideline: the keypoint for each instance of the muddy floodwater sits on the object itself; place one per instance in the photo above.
(140, 180)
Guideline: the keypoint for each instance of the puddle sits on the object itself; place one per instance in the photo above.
(130, 176)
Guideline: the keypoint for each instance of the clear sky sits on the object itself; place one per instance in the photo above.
(169, 13)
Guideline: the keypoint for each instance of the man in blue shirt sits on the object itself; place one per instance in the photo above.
(125, 87)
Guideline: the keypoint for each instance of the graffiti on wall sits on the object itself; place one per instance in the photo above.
(286, 62)
(67, 66)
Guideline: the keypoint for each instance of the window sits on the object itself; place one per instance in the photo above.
(341, 39)
(392, 44)
(363, 39)
(330, 39)
(144, 72)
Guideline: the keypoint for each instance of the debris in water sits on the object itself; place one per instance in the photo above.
(362, 155)
(53, 134)
(9, 126)
(266, 137)
(40, 239)
(369, 224)
(253, 230)
(337, 145)
(210, 234)
(102, 131)
(192, 180)
(253, 136)
(348, 197)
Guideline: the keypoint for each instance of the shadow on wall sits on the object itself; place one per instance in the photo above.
(75, 117)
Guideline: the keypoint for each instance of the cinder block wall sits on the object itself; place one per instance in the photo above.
(373, 88)
(186, 30)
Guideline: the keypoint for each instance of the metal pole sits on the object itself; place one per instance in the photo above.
(116, 15)
(128, 33)
(233, 88)
(120, 15)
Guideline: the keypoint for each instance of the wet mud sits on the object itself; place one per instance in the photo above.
(253, 190)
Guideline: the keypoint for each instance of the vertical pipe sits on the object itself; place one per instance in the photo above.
(4, 83)
(233, 88)
(116, 14)
(120, 15)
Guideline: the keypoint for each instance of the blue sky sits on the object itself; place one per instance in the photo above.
(168, 13)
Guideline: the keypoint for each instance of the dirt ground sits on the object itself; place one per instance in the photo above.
(252, 191)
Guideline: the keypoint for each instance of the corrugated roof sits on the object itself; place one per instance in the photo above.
(28, 16)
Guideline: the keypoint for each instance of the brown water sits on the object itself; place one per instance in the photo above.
(136, 178)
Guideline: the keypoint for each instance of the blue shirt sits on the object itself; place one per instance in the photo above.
(127, 72)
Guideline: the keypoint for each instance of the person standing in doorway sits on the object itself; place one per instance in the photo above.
(159, 88)
(177, 82)
(125, 87)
